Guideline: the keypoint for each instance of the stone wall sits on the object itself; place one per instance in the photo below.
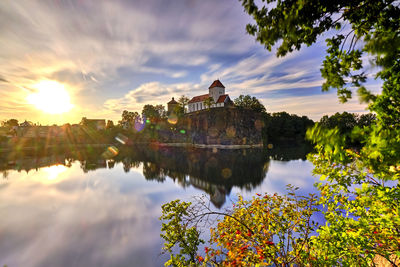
(224, 126)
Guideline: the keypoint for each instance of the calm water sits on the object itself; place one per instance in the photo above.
(76, 208)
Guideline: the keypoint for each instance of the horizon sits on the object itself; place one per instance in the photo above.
(65, 60)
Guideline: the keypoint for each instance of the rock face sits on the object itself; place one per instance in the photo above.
(224, 126)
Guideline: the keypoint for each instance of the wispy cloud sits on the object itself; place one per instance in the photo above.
(148, 93)
(116, 55)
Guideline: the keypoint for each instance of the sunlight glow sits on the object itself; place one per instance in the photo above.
(54, 171)
(50, 97)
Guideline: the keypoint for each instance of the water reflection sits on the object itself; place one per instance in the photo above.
(213, 171)
(80, 208)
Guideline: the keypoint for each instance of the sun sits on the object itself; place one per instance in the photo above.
(50, 97)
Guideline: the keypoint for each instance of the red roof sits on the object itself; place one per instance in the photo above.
(222, 98)
(216, 83)
(199, 98)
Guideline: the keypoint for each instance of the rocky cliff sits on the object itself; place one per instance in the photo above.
(224, 126)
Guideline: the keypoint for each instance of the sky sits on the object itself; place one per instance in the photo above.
(61, 60)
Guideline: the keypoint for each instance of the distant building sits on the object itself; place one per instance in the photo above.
(172, 105)
(40, 132)
(94, 123)
(216, 91)
(25, 124)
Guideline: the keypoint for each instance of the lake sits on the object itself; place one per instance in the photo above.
(100, 206)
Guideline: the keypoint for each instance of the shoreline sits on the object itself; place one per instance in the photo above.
(188, 145)
(211, 146)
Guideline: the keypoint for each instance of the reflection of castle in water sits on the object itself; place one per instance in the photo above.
(214, 172)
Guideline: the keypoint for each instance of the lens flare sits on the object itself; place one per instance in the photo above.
(231, 132)
(139, 126)
(226, 173)
(110, 152)
(173, 119)
(122, 138)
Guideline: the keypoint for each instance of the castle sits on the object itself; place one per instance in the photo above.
(216, 91)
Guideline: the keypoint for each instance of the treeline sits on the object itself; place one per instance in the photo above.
(284, 127)
(351, 127)
(278, 127)
(155, 124)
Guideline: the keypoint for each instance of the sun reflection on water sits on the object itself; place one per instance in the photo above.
(52, 173)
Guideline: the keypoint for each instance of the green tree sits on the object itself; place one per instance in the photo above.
(183, 101)
(246, 101)
(345, 122)
(282, 126)
(366, 120)
(129, 118)
(179, 234)
(361, 208)
(267, 230)
(373, 28)
(154, 113)
(359, 191)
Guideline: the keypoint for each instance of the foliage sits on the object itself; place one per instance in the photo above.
(10, 123)
(268, 229)
(179, 111)
(246, 101)
(360, 193)
(154, 113)
(362, 208)
(346, 123)
(183, 101)
(373, 29)
(179, 235)
(208, 102)
(283, 126)
(129, 119)
(110, 124)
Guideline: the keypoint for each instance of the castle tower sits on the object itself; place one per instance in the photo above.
(171, 106)
(216, 89)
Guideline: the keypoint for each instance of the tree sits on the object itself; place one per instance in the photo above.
(282, 126)
(345, 122)
(208, 102)
(10, 123)
(246, 101)
(373, 29)
(267, 230)
(183, 101)
(366, 120)
(360, 193)
(129, 118)
(154, 113)
(360, 205)
(110, 124)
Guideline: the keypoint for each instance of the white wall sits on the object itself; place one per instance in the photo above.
(215, 92)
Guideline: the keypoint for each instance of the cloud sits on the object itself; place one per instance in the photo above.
(103, 49)
(313, 106)
(149, 93)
